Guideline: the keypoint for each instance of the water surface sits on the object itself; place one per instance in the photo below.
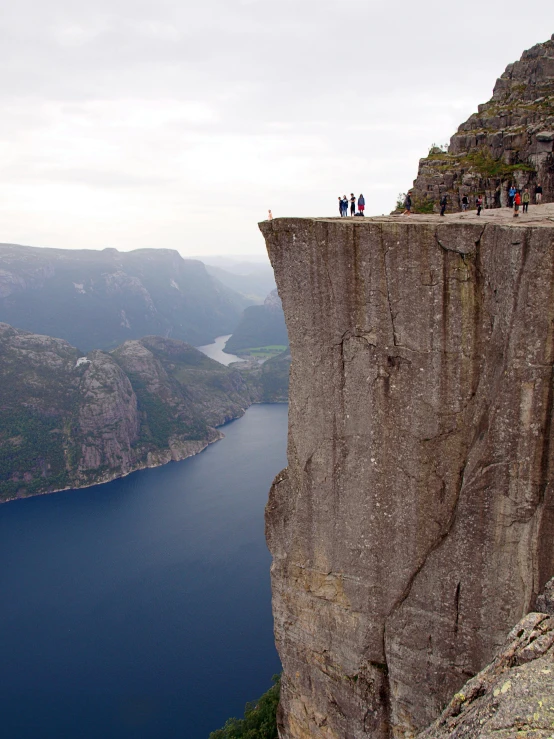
(141, 608)
(215, 351)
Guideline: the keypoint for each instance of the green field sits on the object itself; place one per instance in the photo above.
(264, 352)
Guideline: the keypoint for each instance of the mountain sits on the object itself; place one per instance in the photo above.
(260, 326)
(509, 140)
(255, 284)
(73, 421)
(98, 299)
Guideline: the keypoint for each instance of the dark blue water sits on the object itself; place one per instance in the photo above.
(141, 608)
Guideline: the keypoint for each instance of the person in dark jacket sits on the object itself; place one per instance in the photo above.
(465, 203)
(538, 194)
(443, 203)
(408, 205)
(352, 204)
(361, 205)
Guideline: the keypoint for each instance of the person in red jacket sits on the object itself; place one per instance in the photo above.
(517, 203)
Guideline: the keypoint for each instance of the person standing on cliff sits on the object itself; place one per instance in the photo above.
(526, 197)
(443, 203)
(361, 204)
(479, 204)
(352, 204)
(517, 203)
(538, 194)
(511, 195)
(341, 207)
(345, 206)
(465, 203)
(408, 205)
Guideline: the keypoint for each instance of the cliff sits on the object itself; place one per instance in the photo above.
(413, 525)
(509, 140)
(71, 421)
(99, 299)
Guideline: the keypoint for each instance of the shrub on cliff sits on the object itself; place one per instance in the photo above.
(259, 720)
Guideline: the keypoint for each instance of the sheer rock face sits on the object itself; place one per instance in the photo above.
(413, 525)
(515, 127)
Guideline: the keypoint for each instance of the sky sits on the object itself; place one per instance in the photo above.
(155, 123)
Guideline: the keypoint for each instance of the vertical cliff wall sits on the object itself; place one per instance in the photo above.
(413, 526)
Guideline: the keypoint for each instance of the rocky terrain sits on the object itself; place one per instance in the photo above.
(413, 525)
(514, 695)
(509, 140)
(260, 325)
(68, 420)
(98, 299)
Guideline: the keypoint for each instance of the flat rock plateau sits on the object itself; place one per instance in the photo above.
(413, 526)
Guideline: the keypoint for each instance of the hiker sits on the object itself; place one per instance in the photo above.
(511, 195)
(538, 194)
(525, 200)
(479, 204)
(345, 206)
(443, 203)
(352, 204)
(361, 205)
(517, 203)
(465, 203)
(407, 205)
(269, 215)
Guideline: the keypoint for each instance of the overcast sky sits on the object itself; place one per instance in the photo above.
(155, 123)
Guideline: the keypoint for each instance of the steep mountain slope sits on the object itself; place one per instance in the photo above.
(71, 421)
(98, 299)
(261, 325)
(509, 140)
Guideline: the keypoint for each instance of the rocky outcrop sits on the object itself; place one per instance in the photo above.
(260, 326)
(509, 140)
(70, 421)
(413, 526)
(514, 695)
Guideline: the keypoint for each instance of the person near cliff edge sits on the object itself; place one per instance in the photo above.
(525, 199)
(352, 204)
(443, 203)
(511, 195)
(345, 206)
(341, 207)
(479, 204)
(407, 205)
(465, 203)
(517, 203)
(538, 194)
(361, 204)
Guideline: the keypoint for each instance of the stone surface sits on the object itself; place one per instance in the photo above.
(509, 140)
(513, 696)
(413, 526)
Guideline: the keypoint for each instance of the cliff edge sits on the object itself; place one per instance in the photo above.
(413, 525)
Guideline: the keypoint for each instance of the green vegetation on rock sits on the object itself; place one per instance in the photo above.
(260, 718)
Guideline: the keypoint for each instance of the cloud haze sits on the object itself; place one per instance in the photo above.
(136, 123)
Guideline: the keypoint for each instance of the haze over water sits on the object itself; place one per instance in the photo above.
(141, 608)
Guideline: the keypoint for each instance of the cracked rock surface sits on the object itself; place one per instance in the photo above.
(413, 525)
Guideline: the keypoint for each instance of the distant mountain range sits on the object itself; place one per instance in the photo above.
(98, 299)
(255, 284)
(68, 420)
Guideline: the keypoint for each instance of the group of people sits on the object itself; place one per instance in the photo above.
(516, 198)
(344, 202)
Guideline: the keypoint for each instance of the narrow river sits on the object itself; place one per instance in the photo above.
(140, 609)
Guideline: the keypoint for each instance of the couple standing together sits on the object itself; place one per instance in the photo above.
(343, 205)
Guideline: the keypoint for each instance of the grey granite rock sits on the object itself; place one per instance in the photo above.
(413, 526)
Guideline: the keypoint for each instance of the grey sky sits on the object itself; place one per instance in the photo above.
(134, 123)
